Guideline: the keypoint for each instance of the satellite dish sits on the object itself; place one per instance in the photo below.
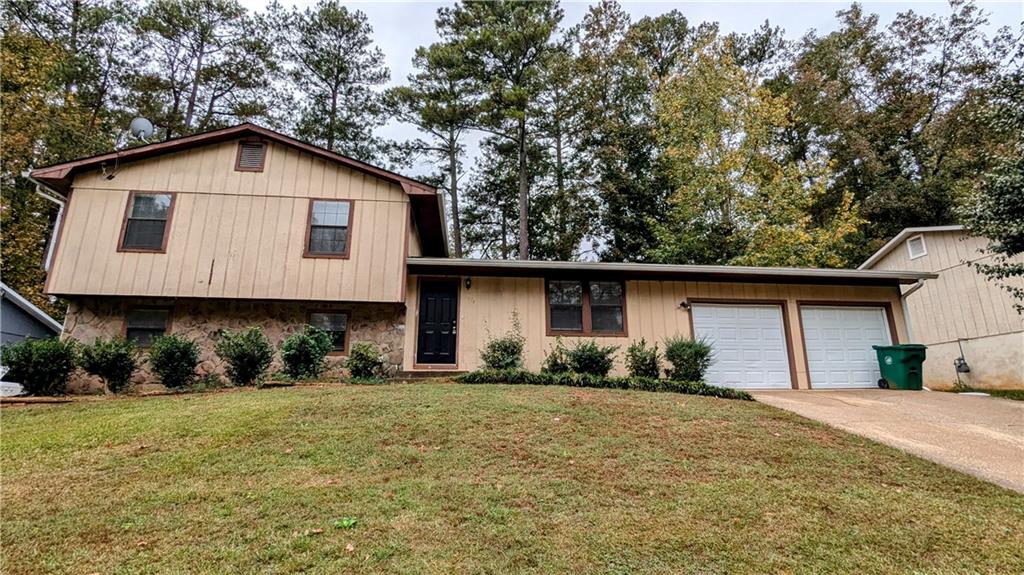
(141, 128)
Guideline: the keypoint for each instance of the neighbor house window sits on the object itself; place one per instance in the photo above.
(142, 326)
(329, 229)
(335, 324)
(147, 222)
(916, 247)
(586, 307)
(250, 156)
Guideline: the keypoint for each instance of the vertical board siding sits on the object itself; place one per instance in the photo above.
(961, 303)
(653, 313)
(247, 228)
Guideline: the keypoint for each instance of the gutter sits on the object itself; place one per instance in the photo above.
(46, 192)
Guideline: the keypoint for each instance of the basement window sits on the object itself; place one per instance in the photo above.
(335, 324)
(916, 247)
(251, 156)
(142, 326)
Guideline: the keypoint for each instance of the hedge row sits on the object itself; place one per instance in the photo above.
(523, 377)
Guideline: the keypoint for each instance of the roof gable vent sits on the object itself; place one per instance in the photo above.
(251, 156)
(916, 247)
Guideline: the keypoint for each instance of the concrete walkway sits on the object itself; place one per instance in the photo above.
(982, 436)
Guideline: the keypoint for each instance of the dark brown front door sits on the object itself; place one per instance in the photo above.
(435, 339)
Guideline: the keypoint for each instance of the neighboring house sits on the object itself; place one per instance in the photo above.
(960, 314)
(21, 319)
(244, 226)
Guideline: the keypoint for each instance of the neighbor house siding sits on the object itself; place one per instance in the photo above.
(962, 309)
(234, 234)
(652, 313)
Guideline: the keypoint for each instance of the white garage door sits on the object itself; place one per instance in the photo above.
(839, 340)
(749, 343)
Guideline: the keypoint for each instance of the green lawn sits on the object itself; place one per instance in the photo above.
(442, 478)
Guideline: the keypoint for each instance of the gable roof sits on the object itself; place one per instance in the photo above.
(30, 308)
(426, 203)
(906, 233)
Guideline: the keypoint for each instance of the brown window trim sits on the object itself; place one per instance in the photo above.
(587, 330)
(167, 328)
(238, 155)
(309, 229)
(348, 332)
(167, 225)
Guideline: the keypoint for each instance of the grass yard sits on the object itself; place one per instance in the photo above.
(443, 478)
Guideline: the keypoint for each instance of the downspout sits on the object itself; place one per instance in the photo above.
(46, 192)
(906, 311)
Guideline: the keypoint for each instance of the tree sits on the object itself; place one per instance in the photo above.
(441, 102)
(996, 209)
(505, 44)
(202, 64)
(733, 180)
(491, 200)
(333, 64)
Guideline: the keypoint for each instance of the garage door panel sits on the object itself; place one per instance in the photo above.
(838, 344)
(749, 344)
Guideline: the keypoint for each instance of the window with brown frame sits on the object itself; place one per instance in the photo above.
(586, 307)
(146, 222)
(251, 155)
(329, 227)
(142, 326)
(335, 324)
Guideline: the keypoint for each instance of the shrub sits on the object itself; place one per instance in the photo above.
(506, 351)
(588, 357)
(113, 360)
(690, 358)
(643, 361)
(365, 361)
(41, 366)
(248, 354)
(174, 360)
(303, 352)
(523, 377)
(557, 360)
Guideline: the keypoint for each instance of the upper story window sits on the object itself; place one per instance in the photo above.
(142, 326)
(147, 222)
(329, 228)
(335, 324)
(586, 307)
(251, 155)
(916, 247)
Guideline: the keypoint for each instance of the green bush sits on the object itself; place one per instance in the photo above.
(524, 377)
(588, 357)
(248, 354)
(557, 360)
(113, 360)
(643, 361)
(365, 361)
(506, 351)
(174, 360)
(41, 366)
(303, 353)
(690, 358)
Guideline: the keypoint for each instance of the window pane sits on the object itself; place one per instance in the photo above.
(566, 292)
(151, 206)
(606, 318)
(567, 317)
(144, 325)
(142, 337)
(324, 240)
(330, 213)
(605, 293)
(336, 324)
(144, 234)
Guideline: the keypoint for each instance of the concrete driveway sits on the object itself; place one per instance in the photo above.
(982, 436)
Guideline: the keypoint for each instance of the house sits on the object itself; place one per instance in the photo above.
(962, 317)
(21, 319)
(245, 226)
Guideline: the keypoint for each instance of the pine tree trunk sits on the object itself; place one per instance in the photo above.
(524, 196)
(190, 111)
(453, 167)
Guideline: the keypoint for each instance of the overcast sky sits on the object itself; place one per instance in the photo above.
(400, 27)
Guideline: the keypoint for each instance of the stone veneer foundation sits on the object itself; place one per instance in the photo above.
(205, 320)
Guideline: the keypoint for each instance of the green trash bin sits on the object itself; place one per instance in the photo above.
(901, 365)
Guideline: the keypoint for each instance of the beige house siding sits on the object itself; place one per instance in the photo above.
(652, 312)
(234, 234)
(961, 305)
